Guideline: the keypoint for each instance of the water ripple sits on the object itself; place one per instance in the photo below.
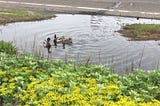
(94, 37)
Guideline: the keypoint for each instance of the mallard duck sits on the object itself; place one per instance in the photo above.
(47, 44)
(55, 40)
(63, 40)
(68, 41)
(60, 39)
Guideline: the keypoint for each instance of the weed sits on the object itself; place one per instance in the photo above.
(7, 47)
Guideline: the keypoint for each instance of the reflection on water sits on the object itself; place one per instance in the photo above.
(94, 38)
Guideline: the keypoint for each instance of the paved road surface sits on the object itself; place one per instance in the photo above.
(135, 8)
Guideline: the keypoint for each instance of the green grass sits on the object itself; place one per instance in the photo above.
(141, 31)
(7, 47)
(8, 16)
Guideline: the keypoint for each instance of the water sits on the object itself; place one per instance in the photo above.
(94, 38)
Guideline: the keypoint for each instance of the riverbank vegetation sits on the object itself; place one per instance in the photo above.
(14, 15)
(7, 47)
(141, 31)
(27, 80)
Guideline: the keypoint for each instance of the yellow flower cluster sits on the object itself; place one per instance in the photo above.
(56, 91)
(2, 73)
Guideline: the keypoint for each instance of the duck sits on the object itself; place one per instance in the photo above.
(55, 40)
(64, 40)
(60, 39)
(68, 41)
(47, 44)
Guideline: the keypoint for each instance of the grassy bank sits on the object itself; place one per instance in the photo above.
(27, 80)
(142, 31)
(12, 15)
(7, 47)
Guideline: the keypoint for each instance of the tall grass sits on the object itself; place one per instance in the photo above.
(7, 47)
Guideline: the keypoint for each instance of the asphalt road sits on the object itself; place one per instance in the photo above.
(133, 8)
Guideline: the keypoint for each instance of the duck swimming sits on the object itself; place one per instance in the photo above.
(68, 41)
(63, 40)
(55, 40)
(60, 39)
(47, 44)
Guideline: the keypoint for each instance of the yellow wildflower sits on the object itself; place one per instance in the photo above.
(2, 73)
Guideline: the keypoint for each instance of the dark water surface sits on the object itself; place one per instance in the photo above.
(94, 38)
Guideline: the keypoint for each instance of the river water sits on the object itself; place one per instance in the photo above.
(95, 39)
